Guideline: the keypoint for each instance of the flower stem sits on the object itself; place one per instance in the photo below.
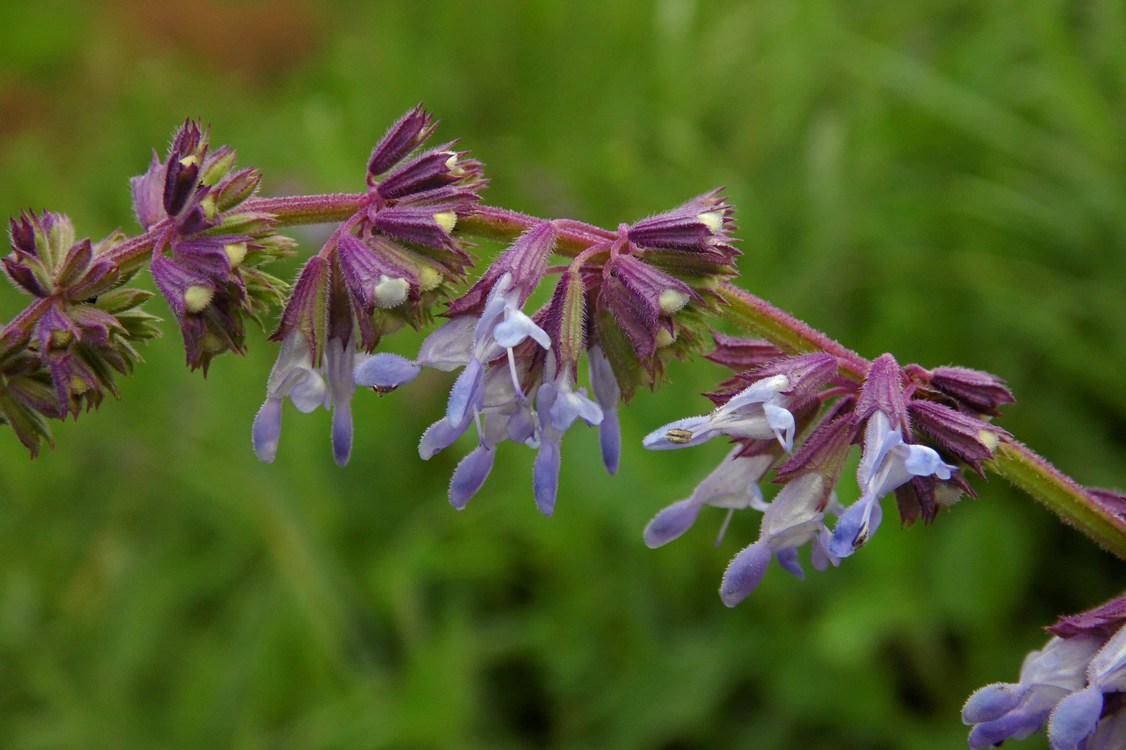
(492, 223)
(760, 318)
(1032, 473)
(308, 209)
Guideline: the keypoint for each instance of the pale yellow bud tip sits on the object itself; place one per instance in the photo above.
(664, 338)
(213, 343)
(428, 278)
(672, 300)
(447, 220)
(453, 166)
(713, 220)
(989, 437)
(197, 297)
(189, 160)
(210, 210)
(60, 339)
(236, 253)
(391, 292)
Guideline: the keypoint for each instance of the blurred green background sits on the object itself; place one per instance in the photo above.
(942, 179)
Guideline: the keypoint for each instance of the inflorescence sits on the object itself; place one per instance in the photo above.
(628, 301)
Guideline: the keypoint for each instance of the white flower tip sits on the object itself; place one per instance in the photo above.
(672, 300)
(197, 297)
(447, 220)
(236, 253)
(713, 220)
(391, 291)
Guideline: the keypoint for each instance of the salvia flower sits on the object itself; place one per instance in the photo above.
(794, 518)
(757, 412)
(889, 459)
(314, 366)
(1072, 687)
(207, 248)
(59, 356)
(386, 265)
(733, 485)
(497, 344)
(559, 404)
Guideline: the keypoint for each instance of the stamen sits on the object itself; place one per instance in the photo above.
(723, 528)
(515, 378)
(678, 435)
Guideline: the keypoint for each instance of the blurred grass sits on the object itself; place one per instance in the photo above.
(943, 180)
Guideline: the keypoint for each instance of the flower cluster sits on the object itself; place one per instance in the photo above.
(384, 266)
(59, 356)
(1075, 687)
(207, 245)
(893, 413)
(625, 302)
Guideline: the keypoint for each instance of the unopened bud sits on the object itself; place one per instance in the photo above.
(990, 439)
(236, 253)
(390, 292)
(672, 300)
(454, 168)
(207, 203)
(218, 169)
(197, 297)
(713, 220)
(664, 337)
(61, 338)
(447, 220)
(428, 278)
(213, 343)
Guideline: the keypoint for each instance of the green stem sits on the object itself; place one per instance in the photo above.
(500, 224)
(1026, 470)
(760, 318)
(308, 209)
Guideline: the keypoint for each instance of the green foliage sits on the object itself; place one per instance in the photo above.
(944, 180)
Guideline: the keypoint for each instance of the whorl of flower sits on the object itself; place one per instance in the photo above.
(804, 406)
(1074, 687)
(889, 459)
(207, 250)
(59, 356)
(386, 265)
(652, 295)
(518, 381)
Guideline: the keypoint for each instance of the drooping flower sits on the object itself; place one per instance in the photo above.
(486, 328)
(733, 485)
(793, 519)
(607, 394)
(559, 404)
(315, 364)
(1062, 688)
(888, 459)
(384, 266)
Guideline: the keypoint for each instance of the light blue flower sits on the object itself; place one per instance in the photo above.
(558, 406)
(294, 376)
(1060, 686)
(757, 412)
(733, 485)
(606, 393)
(888, 462)
(794, 518)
